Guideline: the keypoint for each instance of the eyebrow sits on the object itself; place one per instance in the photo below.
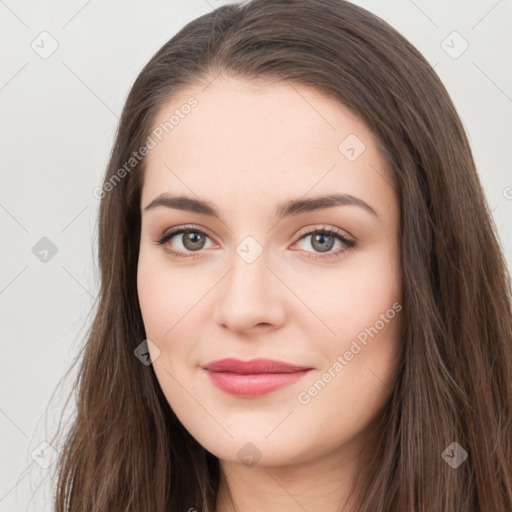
(288, 208)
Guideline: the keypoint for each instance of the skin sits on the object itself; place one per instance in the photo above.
(246, 147)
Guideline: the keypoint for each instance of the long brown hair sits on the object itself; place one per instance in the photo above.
(125, 449)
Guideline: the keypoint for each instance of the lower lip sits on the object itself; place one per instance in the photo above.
(254, 384)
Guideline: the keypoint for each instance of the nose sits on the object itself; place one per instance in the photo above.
(250, 295)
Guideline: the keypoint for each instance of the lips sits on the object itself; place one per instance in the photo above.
(255, 366)
(253, 378)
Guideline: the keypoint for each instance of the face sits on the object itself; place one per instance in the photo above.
(315, 284)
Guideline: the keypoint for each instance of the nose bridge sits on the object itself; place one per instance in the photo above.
(248, 276)
(250, 294)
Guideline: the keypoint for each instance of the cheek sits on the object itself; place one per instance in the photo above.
(169, 299)
(165, 294)
(351, 298)
(357, 376)
(164, 299)
(360, 307)
(155, 298)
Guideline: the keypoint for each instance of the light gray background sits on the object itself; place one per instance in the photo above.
(59, 116)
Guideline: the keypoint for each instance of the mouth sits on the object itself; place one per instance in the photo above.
(253, 378)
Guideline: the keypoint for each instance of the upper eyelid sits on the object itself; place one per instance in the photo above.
(322, 227)
(180, 229)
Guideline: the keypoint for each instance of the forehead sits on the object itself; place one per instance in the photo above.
(245, 140)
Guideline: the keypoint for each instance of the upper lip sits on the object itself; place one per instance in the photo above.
(253, 366)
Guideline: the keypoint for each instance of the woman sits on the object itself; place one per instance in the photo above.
(315, 163)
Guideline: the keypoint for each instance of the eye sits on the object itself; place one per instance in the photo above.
(191, 239)
(323, 240)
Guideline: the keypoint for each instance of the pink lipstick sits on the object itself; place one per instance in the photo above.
(253, 378)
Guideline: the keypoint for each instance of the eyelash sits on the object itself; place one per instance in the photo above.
(167, 235)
